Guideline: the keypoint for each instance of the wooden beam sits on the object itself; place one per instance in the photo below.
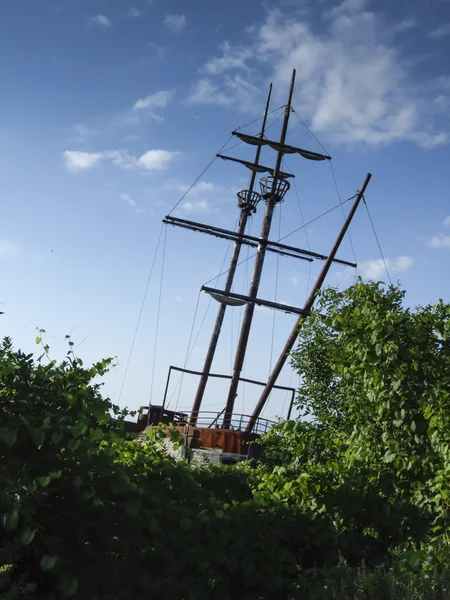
(258, 301)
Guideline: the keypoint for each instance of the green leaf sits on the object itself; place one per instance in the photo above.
(68, 586)
(10, 436)
(48, 562)
(38, 340)
(10, 520)
(73, 444)
(186, 524)
(44, 481)
(27, 536)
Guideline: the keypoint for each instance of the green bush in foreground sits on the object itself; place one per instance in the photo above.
(87, 512)
(350, 504)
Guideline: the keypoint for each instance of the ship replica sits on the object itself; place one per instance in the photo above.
(226, 434)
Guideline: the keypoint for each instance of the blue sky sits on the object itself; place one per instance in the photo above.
(110, 110)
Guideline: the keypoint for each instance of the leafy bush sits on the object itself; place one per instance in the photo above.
(88, 512)
(374, 455)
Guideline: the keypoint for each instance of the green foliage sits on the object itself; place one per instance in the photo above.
(374, 453)
(89, 512)
(350, 503)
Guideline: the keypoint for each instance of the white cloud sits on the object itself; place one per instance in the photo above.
(100, 21)
(440, 31)
(156, 159)
(201, 206)
(175, 23)
(179, 299)
(447, 221)
(232, 58)
(80, 161)
(294, 280)
(353, 83)
(404, 25)
(83, 131)
(157, 100)
(235, 91)
(439, 241)
(135, 13)
(7, 249)
(127, 198)
(375, 269)
(202, 187)
(152, 160)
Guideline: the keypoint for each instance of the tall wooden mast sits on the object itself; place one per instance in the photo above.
(272, 198)
(248, 200)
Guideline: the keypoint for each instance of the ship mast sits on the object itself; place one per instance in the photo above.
(248, 200)
(278, 188)
(273, 189)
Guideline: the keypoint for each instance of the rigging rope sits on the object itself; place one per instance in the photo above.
(212, 161)
(377, 240)
(140, 314)
(306, 231)
(157, 314)
(187, 353)
(289, 234)
(179, 384)
(333, 175)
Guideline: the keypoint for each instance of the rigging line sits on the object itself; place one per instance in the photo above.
(319, 217)
(189, 354)
(309, 130)
(378, 241)
(140, 313)
(343, 211)
(306, 231)
(274, 316)
(287, 393)
(276, 296)
(259, 118)
(157, 314)
(289, 234)
(245, 288)
(267, 128)
(200, 176)
(333, 174)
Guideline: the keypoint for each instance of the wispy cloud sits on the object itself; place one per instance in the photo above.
(353, 82)
(128, 199)
(175, 23)
(152, 160)
(232, 58)
(439, 241)
(154, 102)
(235, 91)
(440, 31)
(83, 131)
(404, 25)
(100, 21)
(294, 280)
(135, 13)
(8, 249)
(376, 268)
(200, 206)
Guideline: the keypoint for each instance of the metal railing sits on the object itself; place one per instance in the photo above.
(205, 419)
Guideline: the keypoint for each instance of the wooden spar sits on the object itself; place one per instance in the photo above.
(251, 240)
(257, 301)
(245, 212)
(257, 270)
(307, 307)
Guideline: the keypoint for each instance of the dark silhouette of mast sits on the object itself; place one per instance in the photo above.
(248, 200)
